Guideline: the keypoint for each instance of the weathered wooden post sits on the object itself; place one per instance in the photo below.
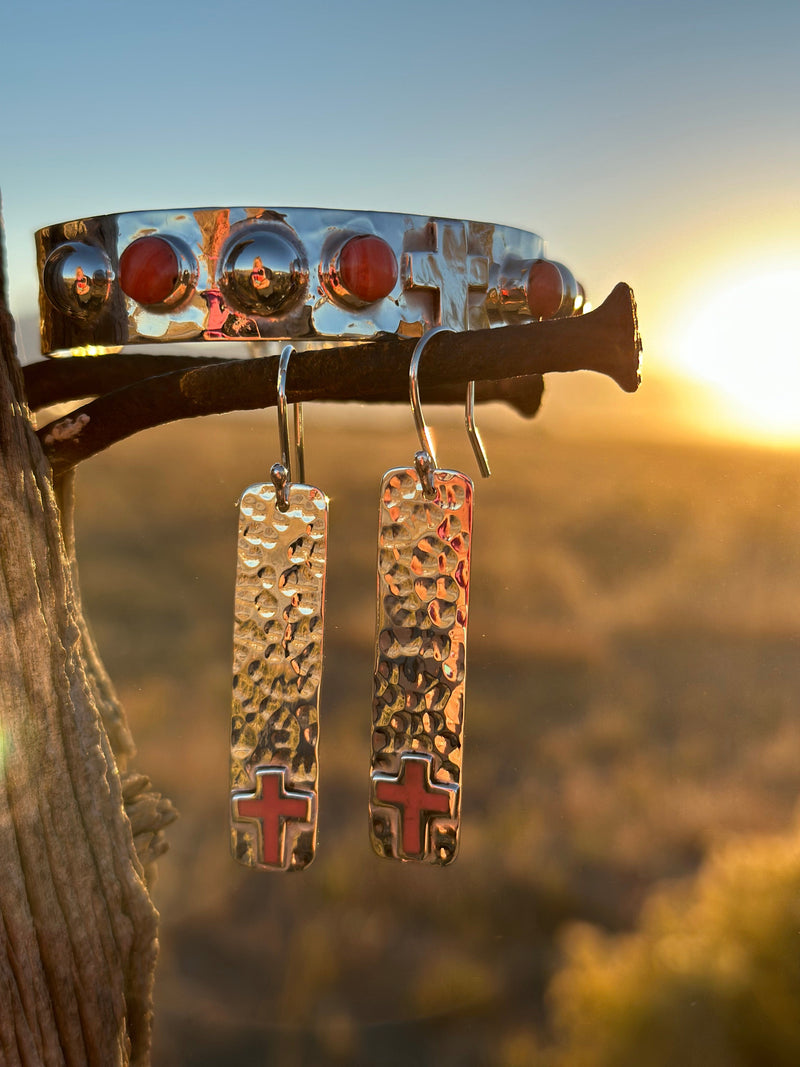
(79, 929)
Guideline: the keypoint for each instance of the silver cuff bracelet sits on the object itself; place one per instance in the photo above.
(299, 274)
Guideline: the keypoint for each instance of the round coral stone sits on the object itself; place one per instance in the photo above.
(148, 270)
(545, 289)
(367, 268)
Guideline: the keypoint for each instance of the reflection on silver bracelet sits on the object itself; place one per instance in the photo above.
(313, 274)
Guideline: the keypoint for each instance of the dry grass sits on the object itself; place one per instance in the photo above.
(633, 680)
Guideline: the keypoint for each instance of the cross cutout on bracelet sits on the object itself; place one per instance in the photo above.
(450, 270)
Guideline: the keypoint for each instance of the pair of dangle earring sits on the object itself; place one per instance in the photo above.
(277, 660)
(424, 548)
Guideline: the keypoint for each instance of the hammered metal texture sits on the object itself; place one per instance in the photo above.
(277, 668)
(420, 664)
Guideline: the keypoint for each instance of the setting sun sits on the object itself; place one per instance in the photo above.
(745, 345)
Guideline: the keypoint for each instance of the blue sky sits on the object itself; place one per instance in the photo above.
(650, 142)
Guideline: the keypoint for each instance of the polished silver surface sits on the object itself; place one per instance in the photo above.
(424, 548)
(77, 278)
(263, 271)
(253, 273)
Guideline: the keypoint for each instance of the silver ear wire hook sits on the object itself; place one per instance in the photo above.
(424, 434)
(425, 460)
(281, 473)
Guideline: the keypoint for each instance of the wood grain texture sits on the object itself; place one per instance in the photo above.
(78, 934)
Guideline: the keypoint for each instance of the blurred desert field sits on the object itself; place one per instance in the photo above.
(633, 675)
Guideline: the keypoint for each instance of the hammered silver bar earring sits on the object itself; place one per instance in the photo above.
(277, 661)
(424, 544)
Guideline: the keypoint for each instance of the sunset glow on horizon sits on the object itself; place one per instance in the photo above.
(743, 344)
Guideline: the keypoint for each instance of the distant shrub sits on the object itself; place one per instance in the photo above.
(711, 978)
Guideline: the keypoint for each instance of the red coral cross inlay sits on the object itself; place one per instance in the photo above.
(417, 799)
(270, 806)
